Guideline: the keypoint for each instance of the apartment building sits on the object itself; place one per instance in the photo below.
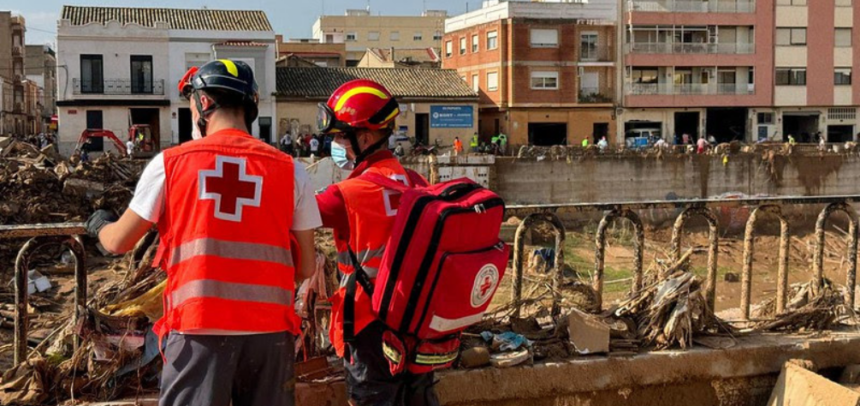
(40, 66)
(545, 71)
(738, 69)
(360, 30)
(13, 111)
(121, 67)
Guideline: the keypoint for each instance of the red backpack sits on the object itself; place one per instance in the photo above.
(441, 267)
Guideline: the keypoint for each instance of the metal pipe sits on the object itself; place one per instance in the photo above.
(519, 255)
(818, 259)
(22, 269)
(600, 251)
(713, 246)
(749, 251)
(41, 230)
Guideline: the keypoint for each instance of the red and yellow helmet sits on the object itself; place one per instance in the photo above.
(358, 104)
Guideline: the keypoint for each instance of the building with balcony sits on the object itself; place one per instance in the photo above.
(13, 117)
(545, 71)
(360, 30)
(121, 66)
(738, 69)
(40, 67)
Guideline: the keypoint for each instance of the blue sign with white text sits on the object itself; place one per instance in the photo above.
(452, 117)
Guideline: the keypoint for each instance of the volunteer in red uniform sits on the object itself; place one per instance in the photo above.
(361, 114)
(225, 205)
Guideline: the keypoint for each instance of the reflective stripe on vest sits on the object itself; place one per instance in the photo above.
(436, 359)
(230, 291)
(231, 250)
(344, 261)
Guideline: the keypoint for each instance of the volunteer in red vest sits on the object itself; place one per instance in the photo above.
(361, 115)
(226, 205)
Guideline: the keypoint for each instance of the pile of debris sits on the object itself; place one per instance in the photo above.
(39, 186)
(812, 306)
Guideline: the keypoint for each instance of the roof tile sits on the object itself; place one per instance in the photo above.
(404, 83)
(178, 19)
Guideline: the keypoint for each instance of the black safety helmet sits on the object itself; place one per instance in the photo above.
(222, 74)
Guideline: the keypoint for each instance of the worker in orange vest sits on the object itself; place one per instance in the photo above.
(458, 146)
(226, 205)
(361, 115)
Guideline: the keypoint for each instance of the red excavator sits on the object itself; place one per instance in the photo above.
(139, 134)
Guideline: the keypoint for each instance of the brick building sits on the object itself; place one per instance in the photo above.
(13, 114)
(308, 51)
(740, 69)
(545, 71)
(41, 68)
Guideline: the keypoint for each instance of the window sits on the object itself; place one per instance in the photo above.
(394, 36)
(843, 37)
(765, 118)
(790, 36)
(92, 74)
(842, 76)
(541, 38)
(418, 36)
(351, 36)
(791, 2)
(644, 75)
(791, 76)
(373, 36)
(141, 74)
(545, 80)
(493, 81)
(475, 42)
(588, 46)
(437, 36)
(463, 46)
(476, 86)
(449, 49)
(843, 3)
(492, 40)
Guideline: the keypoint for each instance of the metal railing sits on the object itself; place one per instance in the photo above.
(690, 89)
(42, 235)
(549, 213)
(693, 6)
(689, 48)
(595, 95)
(118, 87)
(599, 54)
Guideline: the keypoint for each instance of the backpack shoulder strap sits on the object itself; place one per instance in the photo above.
(384, 182)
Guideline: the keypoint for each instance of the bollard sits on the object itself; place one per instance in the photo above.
(22, 269)
(519, 255)
(713, 245)
(818, 260)
(600, 251)
(782, 277)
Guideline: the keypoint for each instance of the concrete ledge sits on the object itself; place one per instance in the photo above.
(752, 357)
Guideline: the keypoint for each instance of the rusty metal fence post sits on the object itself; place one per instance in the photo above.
(818, 259)
(749, 249)
(22, 268)
(713, 246)
(519, 255)
(600, 251)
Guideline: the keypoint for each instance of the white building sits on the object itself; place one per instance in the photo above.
(120, 66)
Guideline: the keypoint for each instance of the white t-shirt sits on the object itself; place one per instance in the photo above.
(148, 203)
(129, 146)
(287, 140)
(315, 144)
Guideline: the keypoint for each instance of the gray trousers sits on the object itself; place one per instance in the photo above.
(249, 370)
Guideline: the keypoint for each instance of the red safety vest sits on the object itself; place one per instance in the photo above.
(225, 237)
(371, 212)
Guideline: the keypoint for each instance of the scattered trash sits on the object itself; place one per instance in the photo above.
(731, 277)
(810, 307)
(507, 341)
(509, 359)
(475, 357)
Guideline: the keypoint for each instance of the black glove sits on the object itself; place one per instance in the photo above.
(98, 221)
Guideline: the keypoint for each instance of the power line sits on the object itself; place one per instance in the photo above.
(41, 30)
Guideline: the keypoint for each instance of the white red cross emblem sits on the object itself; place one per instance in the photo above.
(231, 187)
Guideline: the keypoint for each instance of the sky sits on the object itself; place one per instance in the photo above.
(293, 18)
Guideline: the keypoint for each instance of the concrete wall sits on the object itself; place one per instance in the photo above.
(638, 178)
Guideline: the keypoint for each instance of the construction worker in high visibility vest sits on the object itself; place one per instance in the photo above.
(458, 146)
(473, 144)
(361, 114)
(232, 214)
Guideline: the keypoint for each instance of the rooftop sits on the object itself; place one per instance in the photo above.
(320, 83)
(178, 19)
(416, 55)
(587, 11)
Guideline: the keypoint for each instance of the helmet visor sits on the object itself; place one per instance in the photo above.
(325, 118)
(185, 87)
